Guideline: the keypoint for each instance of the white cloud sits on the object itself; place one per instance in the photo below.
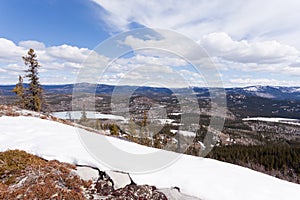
(9, 52)
(69, 53)
(286, 70)
(64, 60)
(228, 54)
(141, 59)
(32, 44)
(246, 36)
(170, 14)
(222, 45)
(242, 36)
(241, 19)
(144, 69)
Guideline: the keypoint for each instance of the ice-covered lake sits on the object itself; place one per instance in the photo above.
(89, 114)
(274, 119)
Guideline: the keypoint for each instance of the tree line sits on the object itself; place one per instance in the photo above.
(271, 156)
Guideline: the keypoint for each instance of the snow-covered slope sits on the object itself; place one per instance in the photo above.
(205, 178)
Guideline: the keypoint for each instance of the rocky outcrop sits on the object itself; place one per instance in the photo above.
(25, 176)
(119, 185)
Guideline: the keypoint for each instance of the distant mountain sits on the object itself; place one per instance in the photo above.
(269, 92)
(6, 90)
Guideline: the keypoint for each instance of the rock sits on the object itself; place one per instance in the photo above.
(144, 192)
(104, 188)
(87, 173)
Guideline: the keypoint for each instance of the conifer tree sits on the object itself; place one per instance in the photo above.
(35, 91)
(114, 130)
(19, 90)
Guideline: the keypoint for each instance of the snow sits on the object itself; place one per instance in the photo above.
(165, 121)
(202, 145)
(119, 179)
(296, 90)
(173, 131)
(187, 133)
(184, 133)
(258, 91)
(264, 95)
(47, 139)
(89, 114)
(87, 173)
(251, 89)
(274, 119)
(176, 114)
(204, 178)
(172, 193)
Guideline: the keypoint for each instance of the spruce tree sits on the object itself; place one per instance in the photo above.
(114, 130)
(19, 90)
(35, 91)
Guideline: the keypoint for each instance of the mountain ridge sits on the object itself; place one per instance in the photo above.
(274, 92)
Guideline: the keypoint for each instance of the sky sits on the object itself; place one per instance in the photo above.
(247, 42)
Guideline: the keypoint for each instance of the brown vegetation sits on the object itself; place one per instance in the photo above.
(25, 176)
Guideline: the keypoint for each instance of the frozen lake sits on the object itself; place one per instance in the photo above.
(90, 115)
(274, 119)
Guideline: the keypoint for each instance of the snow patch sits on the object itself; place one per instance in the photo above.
(251, 89)
(120, 179)
(87, 173)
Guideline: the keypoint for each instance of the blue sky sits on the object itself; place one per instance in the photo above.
(250, 43)
(53, 22)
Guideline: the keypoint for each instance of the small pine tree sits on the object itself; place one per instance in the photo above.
(114, 130)
(19, 90)
(35, 91)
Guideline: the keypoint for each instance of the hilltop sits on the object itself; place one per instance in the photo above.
(200, 177)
